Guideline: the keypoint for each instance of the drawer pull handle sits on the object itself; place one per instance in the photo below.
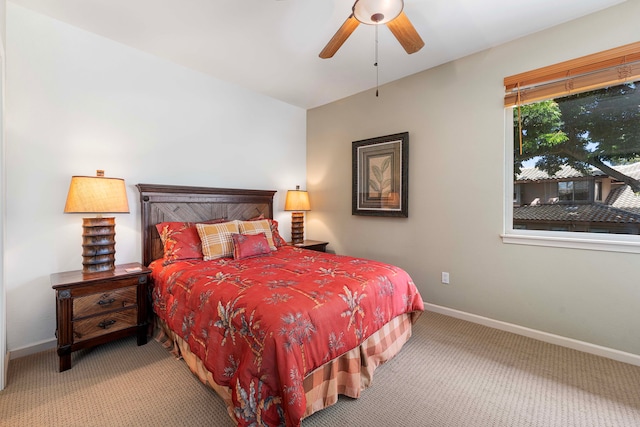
(106, 301)
(105, 324)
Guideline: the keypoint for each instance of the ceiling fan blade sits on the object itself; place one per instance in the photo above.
(339, 37)
(406, 34)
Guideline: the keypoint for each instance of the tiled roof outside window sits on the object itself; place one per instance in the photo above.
(576, 213)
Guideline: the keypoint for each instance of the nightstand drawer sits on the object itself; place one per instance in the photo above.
(104, 302)
(104, 324)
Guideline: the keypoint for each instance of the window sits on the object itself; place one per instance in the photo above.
(516, 194)
(573, 191)
(598, 191)
(575, 176)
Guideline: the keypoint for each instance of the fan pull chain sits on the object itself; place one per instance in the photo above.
(375, 64)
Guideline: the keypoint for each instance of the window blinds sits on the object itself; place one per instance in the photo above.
(598, 70)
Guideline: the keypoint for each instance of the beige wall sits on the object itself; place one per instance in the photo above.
(455, 119)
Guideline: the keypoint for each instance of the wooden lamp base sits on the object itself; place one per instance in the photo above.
(98, 244)
(297, 227)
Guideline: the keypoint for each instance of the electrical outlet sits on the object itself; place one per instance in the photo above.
(445, 277)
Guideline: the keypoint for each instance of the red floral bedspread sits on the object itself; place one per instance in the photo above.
(261, 324)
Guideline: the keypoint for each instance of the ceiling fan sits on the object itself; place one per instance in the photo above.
(377, 12)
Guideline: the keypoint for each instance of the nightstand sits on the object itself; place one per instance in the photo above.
(314, 245)
(95, 308)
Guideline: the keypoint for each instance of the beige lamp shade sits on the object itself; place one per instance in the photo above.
(297, 200)
(96, 194)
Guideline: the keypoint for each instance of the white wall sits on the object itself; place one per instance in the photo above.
(455, 117)
(77, 102)
(3, 20)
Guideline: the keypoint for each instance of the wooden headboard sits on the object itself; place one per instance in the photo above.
(161, 203)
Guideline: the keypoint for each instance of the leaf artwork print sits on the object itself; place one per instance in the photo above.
(381, 181)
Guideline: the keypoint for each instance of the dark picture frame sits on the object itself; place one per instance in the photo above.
(380, 176)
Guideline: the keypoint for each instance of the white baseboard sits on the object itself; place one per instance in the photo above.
(33, 349)
(3, 382)
(586, 347)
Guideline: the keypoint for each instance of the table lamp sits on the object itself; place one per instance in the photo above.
(97, 195)
(297, 201)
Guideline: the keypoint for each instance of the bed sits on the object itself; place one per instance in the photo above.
(276, 330)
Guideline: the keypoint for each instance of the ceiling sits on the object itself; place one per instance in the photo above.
(272, 46)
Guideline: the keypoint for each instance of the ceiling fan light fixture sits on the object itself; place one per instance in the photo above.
(376, 12)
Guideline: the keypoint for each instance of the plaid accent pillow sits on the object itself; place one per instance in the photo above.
(278, 241)
(216, 239)
(250, 245)
(257, 227)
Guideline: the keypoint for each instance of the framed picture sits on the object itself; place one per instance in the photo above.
(381, 176)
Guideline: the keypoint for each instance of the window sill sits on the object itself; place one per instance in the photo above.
(594, 242)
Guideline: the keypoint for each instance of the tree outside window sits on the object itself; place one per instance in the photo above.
(580, 136)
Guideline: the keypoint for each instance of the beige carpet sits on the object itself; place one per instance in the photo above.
(451, 373)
